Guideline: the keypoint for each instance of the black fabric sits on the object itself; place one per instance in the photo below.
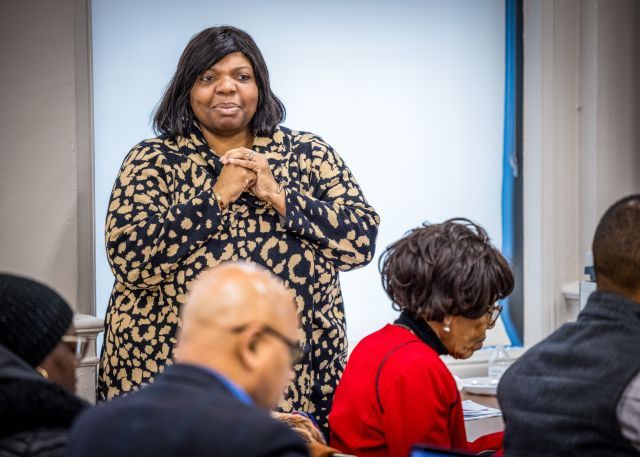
(14, 368)
(31, 405)
(33, 318)
(561, 397)
(185, 412)
(35, 443)
(34, 413)
(422, 331)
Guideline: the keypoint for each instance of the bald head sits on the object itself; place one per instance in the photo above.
(229, 322)
(234, 294)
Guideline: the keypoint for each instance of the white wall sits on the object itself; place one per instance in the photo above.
(40, 229)
(610, 101)
(410, 94)
(581, 139)
(43, 101)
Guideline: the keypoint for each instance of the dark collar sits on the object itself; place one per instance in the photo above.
(610, 305)
(29, 402)
(422, 330)
(192, 376)
(27, 405)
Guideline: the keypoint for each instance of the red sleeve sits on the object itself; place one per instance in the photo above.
(490, 442)
(417, 406)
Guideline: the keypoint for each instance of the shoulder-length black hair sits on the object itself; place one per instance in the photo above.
(445, 269)
(174, 117)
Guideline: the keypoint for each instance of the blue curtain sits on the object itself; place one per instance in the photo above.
(510, 164)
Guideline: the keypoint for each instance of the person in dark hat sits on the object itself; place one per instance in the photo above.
(38, 355)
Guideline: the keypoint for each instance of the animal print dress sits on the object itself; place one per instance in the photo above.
(163, 227)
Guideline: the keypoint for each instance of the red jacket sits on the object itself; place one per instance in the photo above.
(416, 400)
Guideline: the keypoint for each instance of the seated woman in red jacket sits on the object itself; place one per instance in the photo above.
(396, 391)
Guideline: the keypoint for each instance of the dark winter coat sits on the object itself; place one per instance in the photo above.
(35, 414)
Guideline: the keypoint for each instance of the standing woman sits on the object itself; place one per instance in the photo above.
(224, 181)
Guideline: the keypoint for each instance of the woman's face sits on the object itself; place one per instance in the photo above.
(225, 97)
(61, 363)
(465, 335)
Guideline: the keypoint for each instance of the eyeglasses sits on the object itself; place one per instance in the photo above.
(493, 313)
(295, 351)
(77, 344)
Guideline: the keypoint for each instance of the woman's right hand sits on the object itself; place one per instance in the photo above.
(233, 180)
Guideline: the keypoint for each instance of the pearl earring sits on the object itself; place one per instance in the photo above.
(446, 328)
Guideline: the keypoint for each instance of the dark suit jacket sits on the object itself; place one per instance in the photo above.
(186, 412)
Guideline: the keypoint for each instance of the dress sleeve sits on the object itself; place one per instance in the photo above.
(335, 217)
(147, 234)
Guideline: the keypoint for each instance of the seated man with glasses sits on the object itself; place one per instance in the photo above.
(396, 391)
(236, 346)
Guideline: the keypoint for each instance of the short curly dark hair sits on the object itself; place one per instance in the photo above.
(444, 269)
(616, 244)
(174, 117)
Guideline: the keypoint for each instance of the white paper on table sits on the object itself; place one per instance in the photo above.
(473, 410)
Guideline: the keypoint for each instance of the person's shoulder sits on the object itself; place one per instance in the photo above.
(245, 429)
(301, 137)
(383, 339)
(411, 357)
(155, 143)
(100, 414)
(418, 355)
(153, 149)
(400, 349)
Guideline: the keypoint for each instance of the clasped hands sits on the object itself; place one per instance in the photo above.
(245, 170)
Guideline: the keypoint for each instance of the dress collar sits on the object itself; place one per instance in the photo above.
(422, 330)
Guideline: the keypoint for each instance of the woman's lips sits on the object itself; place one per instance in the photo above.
(226, 108)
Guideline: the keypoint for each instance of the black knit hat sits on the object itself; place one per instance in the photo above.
(33, 318)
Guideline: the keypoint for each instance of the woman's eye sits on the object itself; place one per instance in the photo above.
(243, 77)
(206, 78)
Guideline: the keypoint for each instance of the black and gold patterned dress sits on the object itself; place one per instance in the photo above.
(163, 227)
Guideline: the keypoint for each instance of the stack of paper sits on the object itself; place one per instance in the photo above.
(473, 411)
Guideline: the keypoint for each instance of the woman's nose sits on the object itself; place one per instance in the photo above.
(226, 85)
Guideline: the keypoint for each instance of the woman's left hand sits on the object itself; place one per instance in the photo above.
(266, 187)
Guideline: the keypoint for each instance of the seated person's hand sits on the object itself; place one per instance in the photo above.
(309, 433)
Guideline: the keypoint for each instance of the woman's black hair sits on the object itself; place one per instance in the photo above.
(174, 117)
(445, 269)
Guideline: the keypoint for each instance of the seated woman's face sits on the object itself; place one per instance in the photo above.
(61, 363)
(225, 97)
(466, 335)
